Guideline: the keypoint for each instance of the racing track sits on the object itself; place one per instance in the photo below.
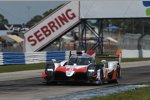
(34, 89)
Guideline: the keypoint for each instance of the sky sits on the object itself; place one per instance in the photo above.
(19, 12)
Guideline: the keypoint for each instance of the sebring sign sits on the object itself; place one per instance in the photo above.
(53, 26)
(60, 21)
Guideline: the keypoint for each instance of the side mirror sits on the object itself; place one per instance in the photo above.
(54, 60)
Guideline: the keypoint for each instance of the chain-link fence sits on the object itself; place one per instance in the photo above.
(131, 41)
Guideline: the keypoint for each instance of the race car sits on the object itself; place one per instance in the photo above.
(82, 67)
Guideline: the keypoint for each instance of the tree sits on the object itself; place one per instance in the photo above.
(135, 26)
(47, 12)
(38, 18)
(34, 20)
(3, 20)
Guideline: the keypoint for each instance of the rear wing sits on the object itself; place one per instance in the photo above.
(116, 57)
(89, 53)
(106, 56)
(94, 55)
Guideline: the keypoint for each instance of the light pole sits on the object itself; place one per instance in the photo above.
(29, 8)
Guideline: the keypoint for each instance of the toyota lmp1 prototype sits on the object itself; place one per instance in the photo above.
(82, 67)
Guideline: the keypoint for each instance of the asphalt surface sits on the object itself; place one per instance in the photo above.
(135, 75)
(35, 89)
(37, 73)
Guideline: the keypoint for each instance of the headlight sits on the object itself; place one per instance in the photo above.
(91, 70)
(50, 67)
(50, 70)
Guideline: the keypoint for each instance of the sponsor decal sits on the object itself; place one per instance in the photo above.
(53, 26)
(147, 5)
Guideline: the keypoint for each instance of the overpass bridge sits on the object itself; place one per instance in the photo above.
(76, 12)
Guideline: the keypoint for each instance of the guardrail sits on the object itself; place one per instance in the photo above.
(7, 58)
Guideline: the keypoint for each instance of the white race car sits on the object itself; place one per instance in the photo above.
(82, 67)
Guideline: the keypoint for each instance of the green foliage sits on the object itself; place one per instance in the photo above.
(3, 20)
(14, 68)
(34, 20)
(134, 59)
(137, 94)
(98, 60)
(130, 25)
(38, 18)
(47, 12)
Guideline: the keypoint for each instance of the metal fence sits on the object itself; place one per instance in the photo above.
(131, 41)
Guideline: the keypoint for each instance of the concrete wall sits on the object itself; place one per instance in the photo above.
(135, 53)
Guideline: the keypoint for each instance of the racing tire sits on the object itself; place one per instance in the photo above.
(102, 76)
(113, 81)
(118, 72)
(101, 79)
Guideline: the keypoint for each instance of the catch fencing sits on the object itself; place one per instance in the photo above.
(130, 41)
(129, 44)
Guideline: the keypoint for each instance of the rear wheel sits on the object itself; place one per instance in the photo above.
(100, 77)
(113, 77)
(118, 72)
(113, 81)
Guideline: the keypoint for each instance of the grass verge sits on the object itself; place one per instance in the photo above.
(124, 59)
(134, 59)
(13, 68)
(136, 94)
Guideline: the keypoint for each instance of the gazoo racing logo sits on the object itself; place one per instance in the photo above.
(147, 5)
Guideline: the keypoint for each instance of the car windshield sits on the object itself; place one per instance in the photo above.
(80, 61)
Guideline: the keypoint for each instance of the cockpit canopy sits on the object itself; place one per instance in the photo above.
(80, 60)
